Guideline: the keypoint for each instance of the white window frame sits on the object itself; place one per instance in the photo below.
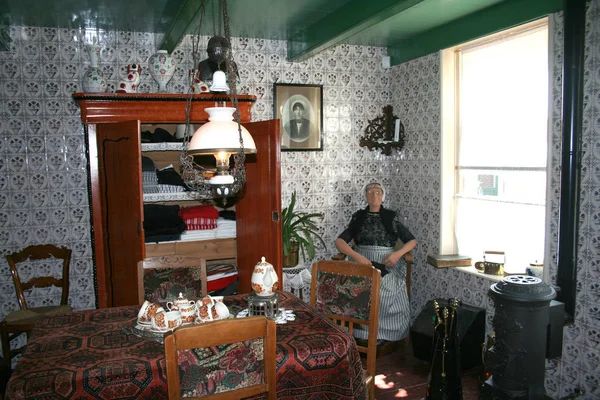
(450, 117)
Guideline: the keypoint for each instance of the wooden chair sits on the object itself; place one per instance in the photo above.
(161, 279)
(217, 339)
(409, 259)
(356, 303)
(22, 320)
(390, 347)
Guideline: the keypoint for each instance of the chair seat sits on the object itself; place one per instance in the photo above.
(32, 313)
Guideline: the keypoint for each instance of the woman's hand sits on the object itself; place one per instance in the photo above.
(392, 259)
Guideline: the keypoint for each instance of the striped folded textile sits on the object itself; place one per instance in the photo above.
(162, 188)
(149, 178)
(200, 223)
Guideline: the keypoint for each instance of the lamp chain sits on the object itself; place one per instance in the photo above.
(194, 175)
(239, 170)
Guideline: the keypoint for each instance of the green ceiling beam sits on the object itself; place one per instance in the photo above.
(5, 39)
(490, 20)
(353, 17)
(184, 14)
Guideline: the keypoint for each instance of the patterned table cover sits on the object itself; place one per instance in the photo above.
(86, 355)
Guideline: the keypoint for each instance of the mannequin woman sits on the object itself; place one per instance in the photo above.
(375, 231)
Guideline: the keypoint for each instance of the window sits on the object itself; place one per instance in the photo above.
(494, 146)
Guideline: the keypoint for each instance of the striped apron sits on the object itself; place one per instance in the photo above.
(394, 305)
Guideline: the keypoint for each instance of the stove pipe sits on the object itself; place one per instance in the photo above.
(521, 324)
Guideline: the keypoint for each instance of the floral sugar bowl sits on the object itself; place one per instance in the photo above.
(180, 302)
(264, 279)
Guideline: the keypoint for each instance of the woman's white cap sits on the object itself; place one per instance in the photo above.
(375, 185)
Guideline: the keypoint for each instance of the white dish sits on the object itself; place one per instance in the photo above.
(144, 323)
(150, 328)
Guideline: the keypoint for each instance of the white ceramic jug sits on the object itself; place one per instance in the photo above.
(264, 279)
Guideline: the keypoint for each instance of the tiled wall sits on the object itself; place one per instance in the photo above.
(416, 94)
(43, 192)
(43, 176)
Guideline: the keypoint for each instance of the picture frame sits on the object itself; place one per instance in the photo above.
(299, 108)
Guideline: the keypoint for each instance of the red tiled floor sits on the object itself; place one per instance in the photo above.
(402, 376)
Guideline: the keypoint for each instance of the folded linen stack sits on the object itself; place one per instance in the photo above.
(162, 223)
(225, 228)
(169, 180)
(199, 217)
(149, 177)
(199, 234)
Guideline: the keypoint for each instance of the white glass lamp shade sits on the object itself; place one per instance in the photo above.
(221, 138)
(219, 82)
(220, 134)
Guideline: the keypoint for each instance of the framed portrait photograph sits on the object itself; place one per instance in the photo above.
(300, 110)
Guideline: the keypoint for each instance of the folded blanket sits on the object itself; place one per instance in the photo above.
(204, 211)
(158, 216)
(227, 214)
(161, 238)
(168, 176)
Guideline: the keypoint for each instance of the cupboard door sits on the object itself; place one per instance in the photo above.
(119, 191)
(258, 209)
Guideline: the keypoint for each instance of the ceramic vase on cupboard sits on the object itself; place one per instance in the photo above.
(162, 67)
(93, 80)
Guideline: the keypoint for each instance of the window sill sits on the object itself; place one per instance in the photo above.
(473, 271)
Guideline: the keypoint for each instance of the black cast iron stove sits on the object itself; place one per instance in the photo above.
(521, 324)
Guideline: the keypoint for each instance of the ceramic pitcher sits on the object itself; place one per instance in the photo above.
(264, 279)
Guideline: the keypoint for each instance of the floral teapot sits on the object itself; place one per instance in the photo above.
(264, 279)
(180, 302)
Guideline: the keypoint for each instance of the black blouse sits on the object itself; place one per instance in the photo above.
(373, 231)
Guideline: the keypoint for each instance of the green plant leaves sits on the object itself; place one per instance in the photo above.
(300, 227)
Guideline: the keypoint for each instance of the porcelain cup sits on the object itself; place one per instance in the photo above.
(148, 310)
(188, 313)
(536, 271)
(164, 321)
(212, 308)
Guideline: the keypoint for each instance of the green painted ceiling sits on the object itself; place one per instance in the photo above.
(408, 28)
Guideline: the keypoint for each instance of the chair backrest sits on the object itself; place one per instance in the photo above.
(40, 252)
(409, 259)
(161, 279)
(348, 293)
(211, 353)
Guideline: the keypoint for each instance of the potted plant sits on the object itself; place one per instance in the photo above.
(299, 229)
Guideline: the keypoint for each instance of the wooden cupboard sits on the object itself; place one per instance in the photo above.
(113, 125)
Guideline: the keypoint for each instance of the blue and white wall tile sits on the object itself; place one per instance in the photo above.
(43, 177)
